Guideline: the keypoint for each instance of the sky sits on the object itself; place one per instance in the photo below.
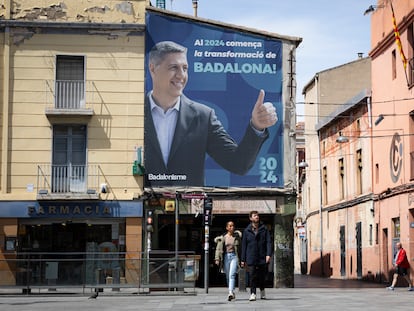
(333, 32)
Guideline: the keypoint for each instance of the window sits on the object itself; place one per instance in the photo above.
(396, 227)
(393, 65)
(325, 185)
(70, 82)
(411, 145)
(69, 158)
(410, 53)
(358, 171)
(341, 179)
(370, 234)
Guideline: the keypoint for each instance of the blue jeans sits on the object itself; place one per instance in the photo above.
(231, 263)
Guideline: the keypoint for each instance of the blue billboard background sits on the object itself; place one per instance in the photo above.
(227, 68)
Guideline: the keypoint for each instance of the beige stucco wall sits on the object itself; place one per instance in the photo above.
(87, 11)
(339, 84)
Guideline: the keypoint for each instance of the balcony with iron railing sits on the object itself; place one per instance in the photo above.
(68, 181)
(68, 98)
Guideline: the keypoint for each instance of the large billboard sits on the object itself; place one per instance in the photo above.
(205, 107)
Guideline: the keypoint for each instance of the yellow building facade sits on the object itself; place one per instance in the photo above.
(71, 131)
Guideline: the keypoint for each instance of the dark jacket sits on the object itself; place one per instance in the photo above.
(255, 247)
(198, 132)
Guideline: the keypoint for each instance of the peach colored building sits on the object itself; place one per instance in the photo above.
(392, 136)
(336, 194)
(360, 191)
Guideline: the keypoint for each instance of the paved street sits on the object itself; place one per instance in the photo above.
(352, 295)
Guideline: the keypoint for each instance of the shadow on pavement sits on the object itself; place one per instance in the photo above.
(307, 281)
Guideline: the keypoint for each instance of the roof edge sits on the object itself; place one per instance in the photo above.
(295, 40)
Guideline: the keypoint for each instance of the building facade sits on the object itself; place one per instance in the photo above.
(71, 129)
(336, 194)
(392, 138)
(365, 181)
(72, 137)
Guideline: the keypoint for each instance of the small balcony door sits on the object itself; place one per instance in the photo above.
(69, 172)
(70, 82)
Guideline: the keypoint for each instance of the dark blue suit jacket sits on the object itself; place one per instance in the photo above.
(198, 132)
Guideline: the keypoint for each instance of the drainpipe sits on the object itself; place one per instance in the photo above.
(6, 103)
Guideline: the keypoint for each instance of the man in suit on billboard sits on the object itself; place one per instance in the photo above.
(179, 132)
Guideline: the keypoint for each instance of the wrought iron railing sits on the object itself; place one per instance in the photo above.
(68, 178)
(68, 94)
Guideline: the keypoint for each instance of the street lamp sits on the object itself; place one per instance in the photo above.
(379, 119)
(342, 139)
(372, 8)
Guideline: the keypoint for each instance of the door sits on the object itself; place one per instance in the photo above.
(343, 250)
(69, 158)
(358, 249)
(387, 274)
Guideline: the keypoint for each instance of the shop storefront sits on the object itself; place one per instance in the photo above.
(68, 243)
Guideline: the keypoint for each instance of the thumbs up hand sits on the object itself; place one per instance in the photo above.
(264, 114)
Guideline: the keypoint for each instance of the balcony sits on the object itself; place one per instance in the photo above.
(68, 98)
(68, 182)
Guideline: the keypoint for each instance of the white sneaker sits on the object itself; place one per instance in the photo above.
(262, 294)
(410, 289)
(231, 296)
(252, 297)
(390, 288)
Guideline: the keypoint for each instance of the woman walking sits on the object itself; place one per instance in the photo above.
(227, 255)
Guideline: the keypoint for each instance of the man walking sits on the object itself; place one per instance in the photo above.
(401, 265)
(256, 252)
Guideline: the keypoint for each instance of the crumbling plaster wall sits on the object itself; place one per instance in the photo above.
(88, 11)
